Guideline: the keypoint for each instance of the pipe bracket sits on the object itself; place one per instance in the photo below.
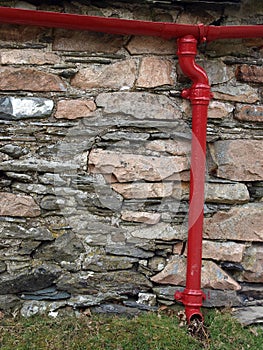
(202, 33)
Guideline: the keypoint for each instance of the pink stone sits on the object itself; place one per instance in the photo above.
(144, 190)
(242, 223)
(73, 109)
(115, 76)
(174, 147)
(219, 110)
(155, 72)
(223, 251)
(212, 275)
(239, 160)
(250, 74)
(28, 79)
(29, 56)
(143, 217)
(134, 167)
(151, 45)
(249, 113)
(88, 41)
(15, 205)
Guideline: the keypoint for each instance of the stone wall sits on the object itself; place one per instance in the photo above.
(95, 151)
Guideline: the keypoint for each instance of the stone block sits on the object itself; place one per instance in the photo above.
(139, 105)
(219, 110)
(105, 263)
(235, 92)
(19, 177)
(40, 165)
(20, 33)
(223, 251)
(174, 147)
(39, 277)
(2, 267)
(239, 160)
(74, 109)
(213, 276)
(249, 315)
(242, 223)
(218, 72)
(23, 57)
(88, 282)
(155, 72)
(141, 216)
(200, 16)
(252, 264)
(16, 231)
(15, 108)
(146, 299)
(157, 263)
(226, 193)
(250, 74)
(143, 190)
(88, 41)
(128, 250)
(14, 151)
(52, 179)
(248, 113)
(115, 76)
(9, 302)
(32, 188)
(65, 248)
(229, 47)
(50, 203)
(50, 293)
(28, 79)
(160, 231)
(134, 167)
(151, 45)
(16, 205)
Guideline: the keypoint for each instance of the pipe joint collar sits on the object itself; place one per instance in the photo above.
(198, 94)
(187, 46)
(191, 297)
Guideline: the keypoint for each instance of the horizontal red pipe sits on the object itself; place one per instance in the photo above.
(126, 27)
(234, 32)
(100, 24)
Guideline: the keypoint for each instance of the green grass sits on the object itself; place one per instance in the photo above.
(146, 332)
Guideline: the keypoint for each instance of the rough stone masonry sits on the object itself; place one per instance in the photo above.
(95, 152)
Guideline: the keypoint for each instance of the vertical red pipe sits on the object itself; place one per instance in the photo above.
(199, 94)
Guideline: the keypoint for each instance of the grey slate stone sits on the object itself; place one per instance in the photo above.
(32, 279)
(14, 231)
(45, 294)
(139, 105)
(2, 266)
(13, 151)
(88, 282)
(9, 302)
(249, 315)
(128, 250)
(65, 248)
(40, 165)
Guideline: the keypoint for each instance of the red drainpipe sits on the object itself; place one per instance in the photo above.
(199, 95)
